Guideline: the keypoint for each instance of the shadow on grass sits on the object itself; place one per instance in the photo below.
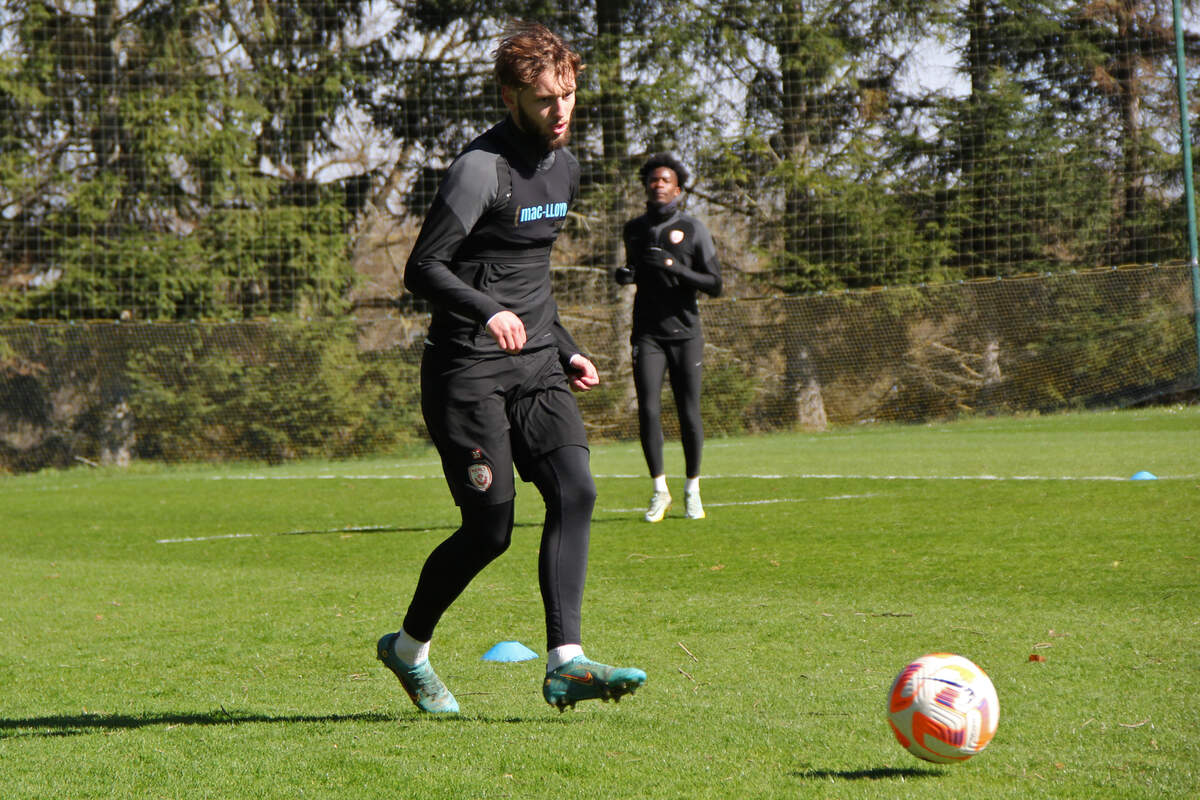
(77, 724)
(82, 724)
(409, 528)
(877, 774)
(354, 529)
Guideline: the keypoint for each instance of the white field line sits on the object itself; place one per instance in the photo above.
(322, 477)
(375, 528)
(217, 537)
(210, 538)
(755, 476)
(807, 476)
(772, 501)
(985, 477)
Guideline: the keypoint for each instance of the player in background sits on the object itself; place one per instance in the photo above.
(496, 370)
(670, 256)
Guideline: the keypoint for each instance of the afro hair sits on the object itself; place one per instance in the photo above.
(664, 160)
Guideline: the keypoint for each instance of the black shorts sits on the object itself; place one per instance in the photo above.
(487, 414)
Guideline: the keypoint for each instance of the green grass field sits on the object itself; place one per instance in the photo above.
(200, 632)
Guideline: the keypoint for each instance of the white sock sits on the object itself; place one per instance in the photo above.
(409, 650)
(561, 655)
(692, 486)
(660, 483)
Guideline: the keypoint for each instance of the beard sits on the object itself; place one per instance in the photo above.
(534, 128)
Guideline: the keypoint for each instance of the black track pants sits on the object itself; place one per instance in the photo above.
(564, 479)
(652, 361)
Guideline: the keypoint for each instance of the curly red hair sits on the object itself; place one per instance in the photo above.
(527, 50)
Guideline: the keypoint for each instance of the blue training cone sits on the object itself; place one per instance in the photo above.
(1143, 476)
(509, 651)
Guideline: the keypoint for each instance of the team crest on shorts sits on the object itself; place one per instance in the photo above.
(676, 236)
(480, 476)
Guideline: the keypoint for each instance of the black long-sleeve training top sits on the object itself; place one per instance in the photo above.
(665, 305)
(485, 244)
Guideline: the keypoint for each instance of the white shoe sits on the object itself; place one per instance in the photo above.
(660, 503)
(695, 509)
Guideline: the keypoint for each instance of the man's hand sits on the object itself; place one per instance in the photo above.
(661, 259)
(583, 373)
(508, 331)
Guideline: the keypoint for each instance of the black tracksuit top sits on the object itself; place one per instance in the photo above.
(665, 305)
(485, 244)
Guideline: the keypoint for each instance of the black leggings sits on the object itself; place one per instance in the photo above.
(652, 360)
(564, 479)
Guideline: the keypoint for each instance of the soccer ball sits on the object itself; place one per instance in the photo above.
(943, 708)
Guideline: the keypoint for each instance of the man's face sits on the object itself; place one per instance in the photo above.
(544, 109)
(662, 186)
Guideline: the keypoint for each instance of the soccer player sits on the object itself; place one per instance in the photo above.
(496, 371)
(670, 256)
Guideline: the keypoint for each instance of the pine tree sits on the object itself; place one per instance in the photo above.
(160, 172)
(821, 92)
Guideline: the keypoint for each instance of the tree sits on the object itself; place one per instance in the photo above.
(821, 94)
(1063, 101)
(1131, 62)
(159, 157)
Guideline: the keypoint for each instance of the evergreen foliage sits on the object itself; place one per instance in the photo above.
(176, 160)
(154, 159)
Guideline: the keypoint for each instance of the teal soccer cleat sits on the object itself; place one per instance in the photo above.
(423, 685)
(580, 679)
